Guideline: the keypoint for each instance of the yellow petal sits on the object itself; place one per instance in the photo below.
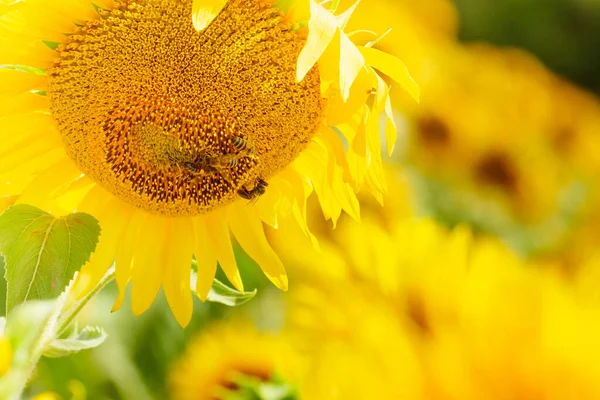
(178, 268)
(149, 257)
(6, 355)
(205, 11)
(351, 63)
(76, 192)
(6, 201)
(216, 223)
(206, 258)
(124, 255)
(391, 131)
(269, 204)
(392, 67)
(249, 232)
(321, 30)
(29, 150)
(344, 18)
(14, 82)
(113, 220)
(340, 111)
(51, 183)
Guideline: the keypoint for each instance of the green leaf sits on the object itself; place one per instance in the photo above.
(90, 337)
(223, 294)
(52, 45)
(24, 68)
(42, 253)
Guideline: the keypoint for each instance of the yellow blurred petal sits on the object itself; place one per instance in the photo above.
(216, 223)
(249, 232)
(206, 258)
(149, 257)
(46, 396)
(6, 201)
(6, 355)
(205, 11)
(392, 67)
(321, 30)
(178, 269)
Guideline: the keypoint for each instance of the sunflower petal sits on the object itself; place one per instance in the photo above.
(16, 82)
(391, 131)
(177, 271)
(206, 258)
(124, 255)
(321, 30)
(249, 232)
(205, 11)
(148, 262)
(53, 182)
(219, 233)
(113, 220)
(351, 63)
(392, 67)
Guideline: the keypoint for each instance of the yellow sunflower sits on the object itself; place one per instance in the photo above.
(442, 316)
(223, 354)
(163, 118)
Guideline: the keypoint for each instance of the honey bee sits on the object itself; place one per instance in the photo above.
(242, 146)
(199, 163)
(224, 161)
(260, 187)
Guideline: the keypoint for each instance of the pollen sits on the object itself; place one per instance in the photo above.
(176, 121)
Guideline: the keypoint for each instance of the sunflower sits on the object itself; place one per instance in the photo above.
(224, 355)
(442, 316)
(163, 118)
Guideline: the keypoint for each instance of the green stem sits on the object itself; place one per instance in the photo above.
(68, 317)
(55, 326)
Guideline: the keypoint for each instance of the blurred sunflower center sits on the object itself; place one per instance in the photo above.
(176, 121)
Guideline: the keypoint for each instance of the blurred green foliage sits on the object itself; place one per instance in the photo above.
(564, 34)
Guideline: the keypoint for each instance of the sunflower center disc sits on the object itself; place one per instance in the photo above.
(176, 121)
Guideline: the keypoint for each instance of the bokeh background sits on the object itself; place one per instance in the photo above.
(476, 280)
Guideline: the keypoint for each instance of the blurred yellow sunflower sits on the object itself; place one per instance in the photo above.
(163, 118)
(224, 355)
(6, 355)
(443, 317)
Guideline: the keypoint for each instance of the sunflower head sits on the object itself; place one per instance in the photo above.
(185, 125)
(218, 361)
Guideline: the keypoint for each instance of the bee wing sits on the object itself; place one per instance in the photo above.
(253, 201)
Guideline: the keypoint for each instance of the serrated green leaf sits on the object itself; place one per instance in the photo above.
(223, 294)
(90, 337)
(42, 252)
